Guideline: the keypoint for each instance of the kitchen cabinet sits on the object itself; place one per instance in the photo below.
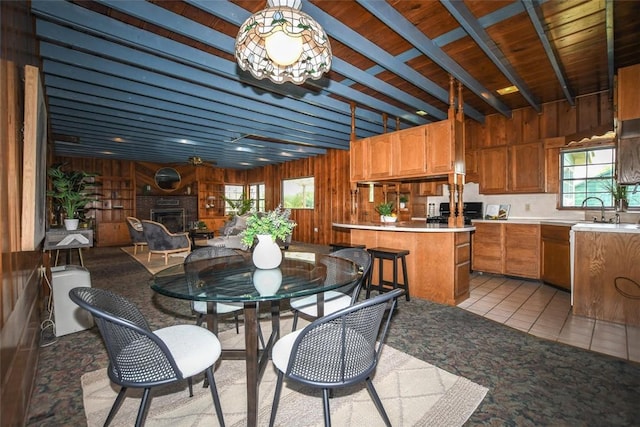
(410, 152)
(552, 148)
(487, 247)
(511, 249)
(422, 151)
(358, 158)
(628, 98)
(522, 250)
(379, 156)
(512, 169)
(440, 148)
(429, 188)
(555, 255)
(493, 171)
(629, 160)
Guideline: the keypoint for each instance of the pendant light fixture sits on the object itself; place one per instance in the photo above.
(283, 44)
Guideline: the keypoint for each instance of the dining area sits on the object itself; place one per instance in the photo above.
(233, 278)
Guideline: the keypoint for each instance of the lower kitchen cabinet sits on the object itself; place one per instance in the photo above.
(556, 255)
(510, 249)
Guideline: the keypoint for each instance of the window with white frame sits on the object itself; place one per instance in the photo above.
(588, 175)
(257, 195)
(232, 192)
(298, 193)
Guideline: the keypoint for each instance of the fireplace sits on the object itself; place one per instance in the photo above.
(172, 218)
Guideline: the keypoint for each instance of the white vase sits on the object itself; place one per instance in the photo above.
(71, 224)
(266, 254)
(267, 282)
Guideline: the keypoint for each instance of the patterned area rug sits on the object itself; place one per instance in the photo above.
(157, 261)
(414, 393)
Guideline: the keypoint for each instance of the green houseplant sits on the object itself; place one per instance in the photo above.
(71, 192)
(275, 223)
(386, 212)
(619, 193)
(240, 206)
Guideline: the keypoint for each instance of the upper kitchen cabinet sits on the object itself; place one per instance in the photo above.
(628, 168)
(629, 93)
(514, 169)
(410, 152)
(358, 157)
(421, 151)
(379, 156)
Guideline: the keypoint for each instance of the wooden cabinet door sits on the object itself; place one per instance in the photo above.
(487, 247)
(493, 170)
(522, 250)
(430, 188)
(629, 160)
(440, 150)
(379, 156)
(113, 234)
(628, 99)
(555, 255)
(527, 168)
(410, 153)
(552, 164)
(358, 157)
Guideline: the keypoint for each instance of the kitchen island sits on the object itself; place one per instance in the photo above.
(606, 284)
(438, 265)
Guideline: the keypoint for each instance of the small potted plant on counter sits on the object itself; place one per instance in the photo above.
(386, 212)
(404, 199)
(619, 193)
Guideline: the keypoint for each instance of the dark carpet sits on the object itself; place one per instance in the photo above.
(531, 381)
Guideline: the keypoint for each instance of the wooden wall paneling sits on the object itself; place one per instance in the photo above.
(496, 131)
(530, 125)
(587, 109)
(566, 119)
(514, 127)
(605, 108)
(20, 288)
(549, 120)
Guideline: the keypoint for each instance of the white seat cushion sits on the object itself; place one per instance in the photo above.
(333, 301)
(221, 307)
(281, 351)
(194, 348)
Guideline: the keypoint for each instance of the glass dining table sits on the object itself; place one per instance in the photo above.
(234, 278)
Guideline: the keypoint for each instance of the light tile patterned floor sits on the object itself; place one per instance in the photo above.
(545, 311)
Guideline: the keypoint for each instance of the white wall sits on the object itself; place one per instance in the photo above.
(528, 206)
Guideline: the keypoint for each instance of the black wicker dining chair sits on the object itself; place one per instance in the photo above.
(337, 299)
(336, 351)
(141, 358)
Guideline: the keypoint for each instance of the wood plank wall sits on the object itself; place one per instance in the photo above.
(19, 308)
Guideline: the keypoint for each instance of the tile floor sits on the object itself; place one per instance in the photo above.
(545, 311)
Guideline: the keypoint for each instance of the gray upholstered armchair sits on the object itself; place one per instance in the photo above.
(136, 233)
(162, 241)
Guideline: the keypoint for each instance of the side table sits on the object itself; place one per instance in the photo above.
(57, 239)
(200, 233)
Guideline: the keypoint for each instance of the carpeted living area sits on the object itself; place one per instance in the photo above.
(413, 392)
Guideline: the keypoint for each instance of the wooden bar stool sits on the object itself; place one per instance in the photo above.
(395, 255)
(345, 245)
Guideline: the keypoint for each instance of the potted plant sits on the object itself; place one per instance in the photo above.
(267, 227)
(619, 193)
(403, 199)
(239, 206)
(386, 212)
(70, 192)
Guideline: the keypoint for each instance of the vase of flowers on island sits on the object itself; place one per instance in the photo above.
(386, 212)
(266, 228)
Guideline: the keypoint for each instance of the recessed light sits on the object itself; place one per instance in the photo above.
(422, 113)
(507, 90)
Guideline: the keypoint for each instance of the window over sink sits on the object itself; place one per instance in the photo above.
(589, 174)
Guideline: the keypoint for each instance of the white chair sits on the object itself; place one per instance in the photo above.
(337, 299)
(141, 358)
(336, 351)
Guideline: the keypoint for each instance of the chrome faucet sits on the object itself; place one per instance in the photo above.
(601, 207)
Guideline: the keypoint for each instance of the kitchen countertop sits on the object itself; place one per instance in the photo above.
(607, 228)
(416, 227)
